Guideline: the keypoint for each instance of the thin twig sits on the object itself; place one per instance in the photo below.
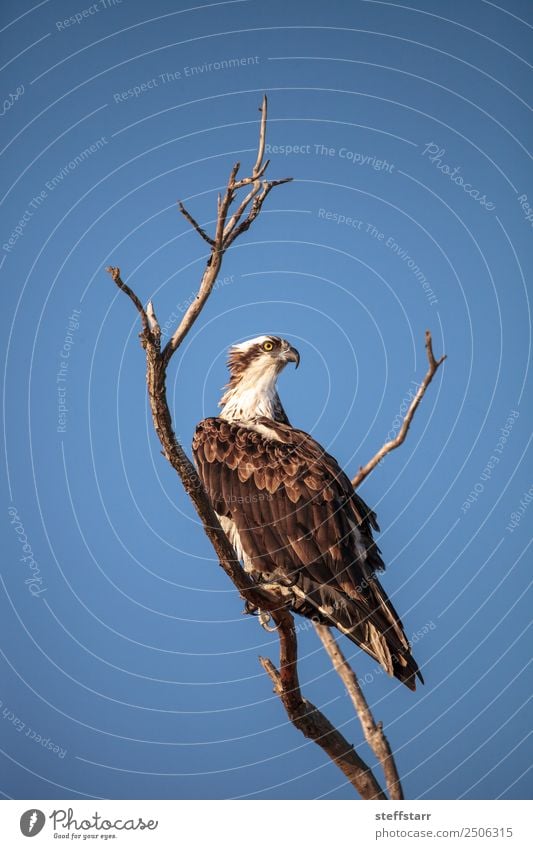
(364, 471)
(114, 271)
(372, 730)
(195, 224)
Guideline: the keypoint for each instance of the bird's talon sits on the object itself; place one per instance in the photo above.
(264, 619)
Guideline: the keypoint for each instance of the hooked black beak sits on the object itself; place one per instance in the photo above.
(293, 356)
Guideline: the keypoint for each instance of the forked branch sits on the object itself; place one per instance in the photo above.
(309, 719)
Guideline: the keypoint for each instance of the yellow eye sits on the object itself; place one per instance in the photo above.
(267, 346)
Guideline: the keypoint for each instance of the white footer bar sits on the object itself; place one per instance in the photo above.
(267, 824)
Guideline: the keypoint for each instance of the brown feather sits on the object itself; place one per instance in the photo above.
(297, 516)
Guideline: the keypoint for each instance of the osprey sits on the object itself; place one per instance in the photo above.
(291, 513)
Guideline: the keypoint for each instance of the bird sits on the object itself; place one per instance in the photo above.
(291, 513)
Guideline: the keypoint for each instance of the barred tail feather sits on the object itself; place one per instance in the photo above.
(329, 608)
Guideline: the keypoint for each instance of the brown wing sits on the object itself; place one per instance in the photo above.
(299, 523)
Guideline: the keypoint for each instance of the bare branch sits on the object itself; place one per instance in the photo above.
(226, 231)
(235, 218)
(114, 271)
(309, 719)
(372, 730)
(195, 224)
(194, 309)
(256, 172)
(225, 204)
(434, 364)
(258, 200)
(247, 180)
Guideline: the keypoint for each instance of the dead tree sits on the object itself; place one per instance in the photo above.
(237, 209)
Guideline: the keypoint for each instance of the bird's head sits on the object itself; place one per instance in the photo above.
(264, 354)
(254, 367)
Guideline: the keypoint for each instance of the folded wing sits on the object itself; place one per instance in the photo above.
(296, 522)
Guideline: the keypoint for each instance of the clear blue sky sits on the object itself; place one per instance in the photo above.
(127, 668)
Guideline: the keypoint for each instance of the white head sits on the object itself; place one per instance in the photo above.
(254, 368)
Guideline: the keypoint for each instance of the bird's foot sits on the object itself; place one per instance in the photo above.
(264, 619)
